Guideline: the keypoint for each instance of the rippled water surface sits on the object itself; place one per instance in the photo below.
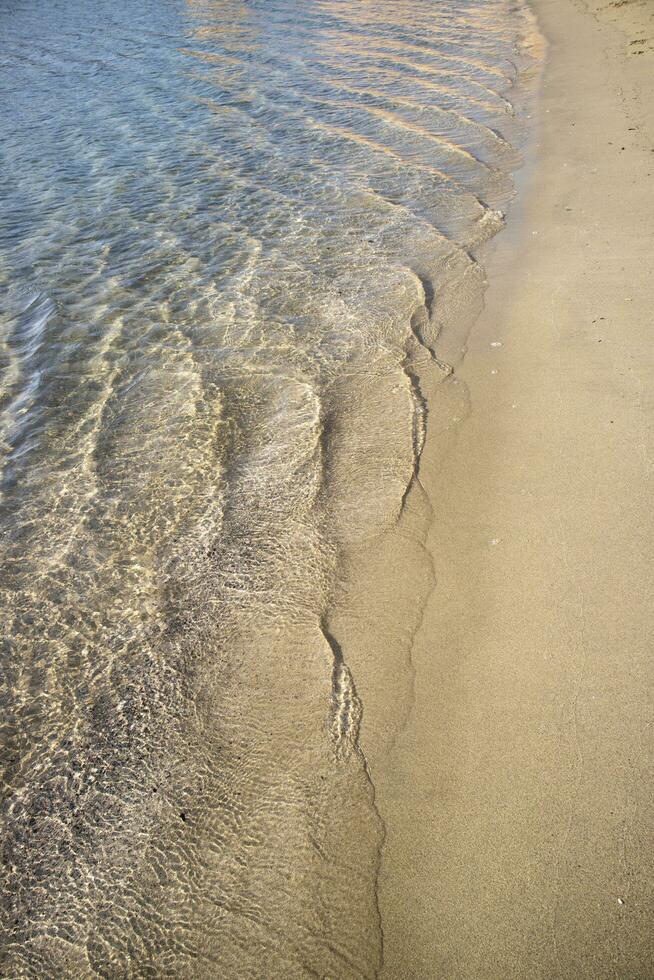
(230, 234)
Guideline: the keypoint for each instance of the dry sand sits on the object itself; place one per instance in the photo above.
(509, 732)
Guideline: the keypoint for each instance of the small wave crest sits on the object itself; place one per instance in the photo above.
(249, 254)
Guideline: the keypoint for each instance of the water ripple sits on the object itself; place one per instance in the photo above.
(226, 228)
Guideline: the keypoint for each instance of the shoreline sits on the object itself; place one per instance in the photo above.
(182, 737)
(507, 734)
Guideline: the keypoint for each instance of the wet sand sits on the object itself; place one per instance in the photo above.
(221, 273)
(509, 728)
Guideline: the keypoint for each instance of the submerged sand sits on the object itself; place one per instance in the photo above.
(508, 729)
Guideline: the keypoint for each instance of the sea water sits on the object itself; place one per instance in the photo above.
(229, 233)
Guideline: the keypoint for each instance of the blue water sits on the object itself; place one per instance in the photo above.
(229, 233)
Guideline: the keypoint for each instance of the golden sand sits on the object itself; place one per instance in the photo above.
(508, 707)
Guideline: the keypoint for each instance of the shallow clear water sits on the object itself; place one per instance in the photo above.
(230, 235)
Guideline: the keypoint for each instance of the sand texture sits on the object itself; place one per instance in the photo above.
(510, 744)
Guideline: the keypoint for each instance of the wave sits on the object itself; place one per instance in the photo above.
(230, 264)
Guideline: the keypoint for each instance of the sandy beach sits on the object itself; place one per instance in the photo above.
(509, 734)
(326, 571)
